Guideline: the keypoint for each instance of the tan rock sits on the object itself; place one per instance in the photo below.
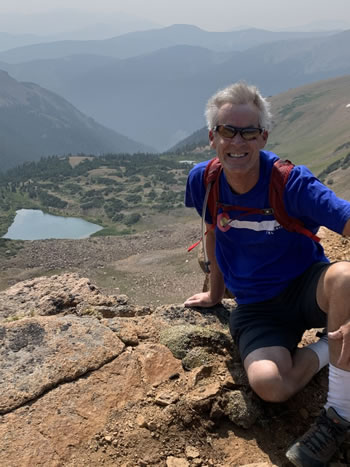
(166, 398)
(64, 420)
(141, 421)
(192, 452)
(199, 374)
(157, 362)
(204, 392)
(51, 295)
(40, 353)
(176, 462)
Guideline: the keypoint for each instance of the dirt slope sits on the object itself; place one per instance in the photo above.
(152, 268)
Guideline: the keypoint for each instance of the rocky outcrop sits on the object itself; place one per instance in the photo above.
(41, 353)
(88, 379)
(64, 294)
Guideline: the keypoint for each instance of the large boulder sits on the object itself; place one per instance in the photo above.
(88, 379)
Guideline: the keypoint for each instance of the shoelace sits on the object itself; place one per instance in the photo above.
(328, 431)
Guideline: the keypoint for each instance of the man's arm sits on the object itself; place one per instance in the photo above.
(216, 280)
(346, 231)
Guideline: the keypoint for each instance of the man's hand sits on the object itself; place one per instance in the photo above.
(202, 299)
(343, 334)
(216, 280)
(346, 231)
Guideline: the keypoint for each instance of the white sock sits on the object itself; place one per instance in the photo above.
(321, 350)
(339, 391)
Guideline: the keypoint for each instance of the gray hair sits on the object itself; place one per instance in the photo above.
(237, 94)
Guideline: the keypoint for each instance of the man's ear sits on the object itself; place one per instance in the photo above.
(211, 139)
(265, 135)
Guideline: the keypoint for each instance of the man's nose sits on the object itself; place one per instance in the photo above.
(237, 139)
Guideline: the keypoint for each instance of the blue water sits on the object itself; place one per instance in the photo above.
(33, 224)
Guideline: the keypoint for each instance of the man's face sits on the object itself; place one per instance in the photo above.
(237, 155)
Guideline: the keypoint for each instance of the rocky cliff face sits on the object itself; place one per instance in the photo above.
(88, 379)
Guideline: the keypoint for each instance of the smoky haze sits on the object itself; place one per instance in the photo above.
(37, 17)
(144, 70)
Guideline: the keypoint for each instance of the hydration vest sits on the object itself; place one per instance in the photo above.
(279, 177)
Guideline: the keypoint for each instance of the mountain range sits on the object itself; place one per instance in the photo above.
(158, 95)
(35, 122)
(142, 42)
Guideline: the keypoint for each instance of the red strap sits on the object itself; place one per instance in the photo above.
(190, 248)
(212, 175)
(211, 171)
(279, 177)
(245, 211)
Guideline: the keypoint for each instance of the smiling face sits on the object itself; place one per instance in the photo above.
(239, 158)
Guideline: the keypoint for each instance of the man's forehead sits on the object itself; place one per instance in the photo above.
(240, 115)
(233, 109)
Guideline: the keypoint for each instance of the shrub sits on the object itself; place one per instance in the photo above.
(132, 219)
(118, 217)
(133, 198)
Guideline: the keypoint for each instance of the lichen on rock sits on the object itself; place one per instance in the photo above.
(181, 339)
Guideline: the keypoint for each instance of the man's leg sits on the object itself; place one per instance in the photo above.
(319, 444)
(275, 375)
(333, 294)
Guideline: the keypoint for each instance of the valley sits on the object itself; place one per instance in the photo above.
(123, 193)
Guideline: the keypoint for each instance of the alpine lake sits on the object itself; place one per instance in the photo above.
(33, 224)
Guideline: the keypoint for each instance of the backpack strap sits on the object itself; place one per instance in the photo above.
(279, 178)
(211, 182)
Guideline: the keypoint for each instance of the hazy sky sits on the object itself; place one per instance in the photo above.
(214, 15)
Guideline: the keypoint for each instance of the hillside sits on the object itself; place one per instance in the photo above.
(35, 122)
(310, 126)
(313, 122)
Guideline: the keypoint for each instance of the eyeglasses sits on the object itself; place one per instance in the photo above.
(228, 131)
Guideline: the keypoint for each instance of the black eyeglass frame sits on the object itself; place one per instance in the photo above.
(242, 131)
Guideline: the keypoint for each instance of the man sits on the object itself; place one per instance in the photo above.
(282, 281)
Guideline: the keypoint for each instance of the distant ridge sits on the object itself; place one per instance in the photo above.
(35, 122)
(11, 41)
(169, 86)
(141, 42)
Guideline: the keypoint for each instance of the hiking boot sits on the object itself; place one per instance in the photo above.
(320, 442)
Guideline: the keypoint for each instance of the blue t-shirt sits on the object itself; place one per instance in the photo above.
(257, 256)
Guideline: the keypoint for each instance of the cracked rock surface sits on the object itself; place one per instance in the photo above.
(90, 379)
(40, 353)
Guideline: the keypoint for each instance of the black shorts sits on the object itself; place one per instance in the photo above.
(282, 320)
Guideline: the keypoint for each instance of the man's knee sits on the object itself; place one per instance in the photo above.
(334, 286)
(268, 383)
(337, 277)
